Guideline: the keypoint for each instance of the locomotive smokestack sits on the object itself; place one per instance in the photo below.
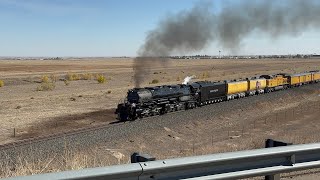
(193, 30)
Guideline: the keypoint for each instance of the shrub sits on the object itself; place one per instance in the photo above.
(86, 76)
(101, 79)
(72, 77)
(69, 77)
(53, 78)
(49, 78)
(75, 77)
(46, 86)
(155, 81)
(109, 91)
(1, 83)
(45, 79)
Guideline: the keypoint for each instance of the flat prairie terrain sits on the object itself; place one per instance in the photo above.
(84, 103)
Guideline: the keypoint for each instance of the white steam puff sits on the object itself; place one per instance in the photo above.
(188, 79)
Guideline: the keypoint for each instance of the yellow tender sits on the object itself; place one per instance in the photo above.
(237, 87)
(255, 84)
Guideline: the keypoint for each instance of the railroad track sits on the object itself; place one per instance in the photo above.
(28, 141)
(52, 136)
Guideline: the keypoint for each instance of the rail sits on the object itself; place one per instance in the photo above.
(233, 165)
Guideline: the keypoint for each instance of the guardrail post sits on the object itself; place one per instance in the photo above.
(136, 157)
(273, 177)
(292, 159)
(272, 143)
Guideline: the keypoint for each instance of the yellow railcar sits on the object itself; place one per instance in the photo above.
(255, 84)
(308, 77)
(300, 79)
(304, 78)
(315, 76)
(237, 87)
(276, 82)
(272, 83)
(294, 80)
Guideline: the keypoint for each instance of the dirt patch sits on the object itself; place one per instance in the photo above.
(68, 122)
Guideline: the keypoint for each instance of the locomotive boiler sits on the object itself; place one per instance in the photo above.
(150, 101)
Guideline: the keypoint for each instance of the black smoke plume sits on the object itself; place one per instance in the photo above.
(193, 30)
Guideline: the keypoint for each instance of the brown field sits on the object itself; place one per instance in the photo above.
(84, 102)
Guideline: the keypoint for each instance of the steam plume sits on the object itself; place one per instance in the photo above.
(188, 79)
(193, 30)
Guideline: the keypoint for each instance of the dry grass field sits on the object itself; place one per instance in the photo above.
(74, 103)
(80, 103)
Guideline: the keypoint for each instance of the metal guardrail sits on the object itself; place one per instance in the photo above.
(232, 165)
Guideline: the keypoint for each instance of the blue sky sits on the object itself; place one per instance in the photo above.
(110, 28)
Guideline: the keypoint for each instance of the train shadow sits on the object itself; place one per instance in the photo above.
(116, 122)
(68, 122)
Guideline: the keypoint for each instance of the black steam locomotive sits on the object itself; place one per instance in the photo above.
(150, 101)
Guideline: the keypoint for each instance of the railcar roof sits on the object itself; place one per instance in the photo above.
(210, 82)
(166, 86)
(301, 74)
(236, 80)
